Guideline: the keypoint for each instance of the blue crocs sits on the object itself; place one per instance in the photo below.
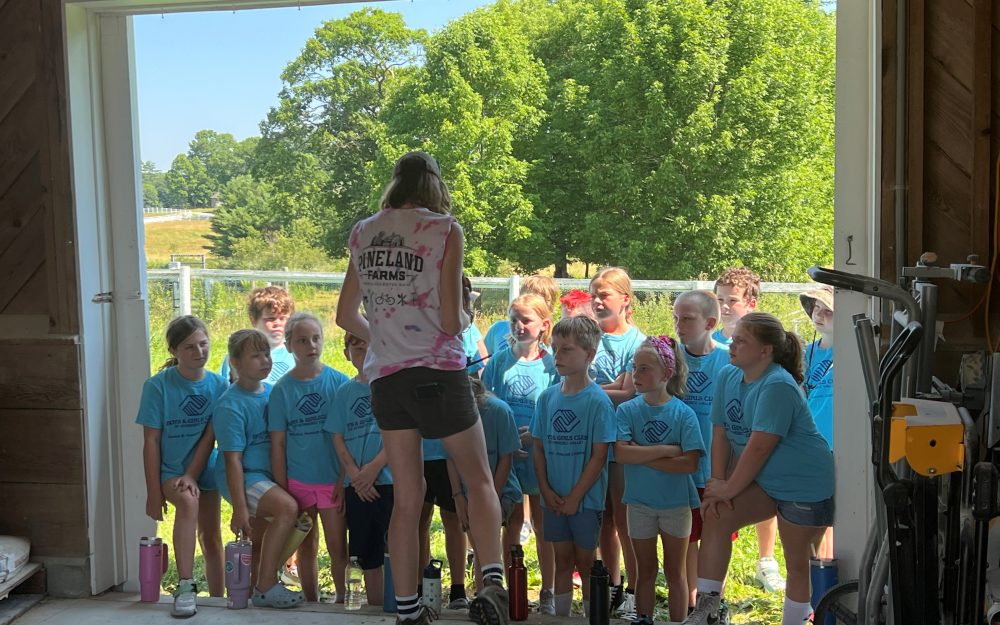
(277, 597)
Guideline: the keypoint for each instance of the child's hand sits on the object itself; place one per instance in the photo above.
(527, 440)
(369, 495)
(714, 506)
(718, 489)
(241, 522)
(186, 482)
(552, 501)
(570, 505)
(365, 479)
(156, 505)
(337, 496)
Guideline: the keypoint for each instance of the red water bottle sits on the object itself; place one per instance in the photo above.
(517, 578)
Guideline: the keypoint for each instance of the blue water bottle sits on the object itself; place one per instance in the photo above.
(823, 575)
(388, 592)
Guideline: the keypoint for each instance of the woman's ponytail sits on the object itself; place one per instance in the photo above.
(786, 346)
(791, 357)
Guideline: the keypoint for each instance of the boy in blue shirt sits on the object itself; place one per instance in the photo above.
(368, 491)
(573, 425)
(269, 308)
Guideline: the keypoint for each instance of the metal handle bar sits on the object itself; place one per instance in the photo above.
(902, 347)
(872, 287)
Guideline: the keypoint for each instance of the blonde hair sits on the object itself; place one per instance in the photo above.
(416, 179)
(352, 339)
(178, 331)
(677, 384)
(545, 286)
(706, 302)
(786, 346)
(618, 279)
(296, 320)
(273, 297)
(583, 331)
(535, 303)
(243, 340)
(743, 278)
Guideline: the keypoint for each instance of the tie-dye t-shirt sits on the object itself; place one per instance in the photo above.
(397, 254)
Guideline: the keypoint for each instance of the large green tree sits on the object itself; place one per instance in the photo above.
(188, 184)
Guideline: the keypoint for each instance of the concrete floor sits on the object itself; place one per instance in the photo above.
(125, 609)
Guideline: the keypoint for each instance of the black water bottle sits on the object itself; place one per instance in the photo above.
(600, 594)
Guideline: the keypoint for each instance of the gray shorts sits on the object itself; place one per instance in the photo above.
(645, 522)
(435, 402)
(254, 493)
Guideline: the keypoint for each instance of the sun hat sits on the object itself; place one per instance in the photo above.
(821, 293)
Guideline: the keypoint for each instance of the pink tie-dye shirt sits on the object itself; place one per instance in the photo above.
(398, 255)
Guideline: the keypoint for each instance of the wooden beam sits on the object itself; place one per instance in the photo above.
(17, 61)
(58, 461)
(20, 261)
(888, 191)
(50, 515)
(36, 374)
(18, 202)
(982, 96)
(915, 130)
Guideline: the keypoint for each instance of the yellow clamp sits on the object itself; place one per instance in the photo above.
(929, 434)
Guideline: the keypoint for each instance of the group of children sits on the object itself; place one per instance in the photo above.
(614, 440)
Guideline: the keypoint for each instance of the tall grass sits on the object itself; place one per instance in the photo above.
(223, 307)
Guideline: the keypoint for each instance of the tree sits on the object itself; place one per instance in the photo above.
(188, 184)
(223, 157)
(153, 185)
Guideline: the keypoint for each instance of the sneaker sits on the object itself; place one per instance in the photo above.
(525, 532)
(289, 575)
(490, 605)
(424, 617)
(627, 608)
(617, 597)
(184, 600)
(706, 610)
(643, 619)
(769, 576)
(547, 602)
(461, 603)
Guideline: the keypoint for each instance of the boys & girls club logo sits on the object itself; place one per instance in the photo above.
(388, 260)
(522, 385)
(820, 371)
(564, 421)
(279, 369)
(734, 411)
(698, 381)
(194, 405)
(362, 408)
(655, 431)
(310, 404)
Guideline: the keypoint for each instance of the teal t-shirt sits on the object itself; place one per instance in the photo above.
(721, 338)
(352, 418)
(703, 371)
(240, 424)
(568, 426)
(819, 388)
(673, 423)
(614, 355)
(497, 336)
(282, 361)
(800, 467)
(300, 408)
(181, 409)
(501, 439)
(470, 343)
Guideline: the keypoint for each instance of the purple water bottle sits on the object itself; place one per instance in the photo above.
(153, 562)
(239, 554)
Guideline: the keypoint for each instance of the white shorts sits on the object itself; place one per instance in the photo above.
(255, 492)
(645, 522)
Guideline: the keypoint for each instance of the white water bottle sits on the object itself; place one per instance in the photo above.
(354, 577)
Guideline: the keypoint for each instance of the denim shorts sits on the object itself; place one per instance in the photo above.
(809, 514)
(583, 528)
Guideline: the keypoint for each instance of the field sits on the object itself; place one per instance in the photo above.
(221, 305)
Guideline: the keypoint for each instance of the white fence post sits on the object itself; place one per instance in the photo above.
(184, 285)
(513, 288)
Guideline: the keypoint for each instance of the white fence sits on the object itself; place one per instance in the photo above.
(181, 277)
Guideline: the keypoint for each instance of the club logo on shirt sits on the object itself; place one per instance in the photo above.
(278, 369)
(655, 431)
(362, 407)
(698, 381)
(388, 260)
(819, 371)
(734, 411)
(564, 421)
(605, 361)
(194, 405)
(522, 386)
(310, 404)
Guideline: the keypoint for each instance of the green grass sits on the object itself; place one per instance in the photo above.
(185, 236)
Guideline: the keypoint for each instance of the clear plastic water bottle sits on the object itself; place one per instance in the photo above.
(355, 585)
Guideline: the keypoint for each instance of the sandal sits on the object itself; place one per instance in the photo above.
(277, 597)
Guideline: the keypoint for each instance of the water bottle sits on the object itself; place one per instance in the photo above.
(388, 591)
(431, 586)
(154, 559)
(823, 576)
(239, 554)
(303, 525)
(517, 578)
(355, 579)
(600, 594)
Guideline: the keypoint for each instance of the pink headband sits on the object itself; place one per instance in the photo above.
(664, 346)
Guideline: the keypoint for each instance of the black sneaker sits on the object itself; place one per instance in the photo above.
(643, 619)
(424, 617)
(490, 605)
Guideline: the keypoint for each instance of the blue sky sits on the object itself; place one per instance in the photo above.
(220, 70)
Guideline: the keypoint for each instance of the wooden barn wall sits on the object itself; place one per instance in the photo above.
(952, 103)
(42, 477)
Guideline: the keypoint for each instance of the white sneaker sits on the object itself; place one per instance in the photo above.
(525, 532)
(185, 604)
(627, 609)
(706, 610)
(769, 576)
(546, 602)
